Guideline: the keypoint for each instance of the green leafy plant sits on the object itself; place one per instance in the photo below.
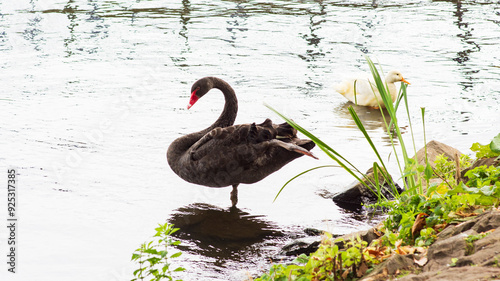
(327, 263)
(483, 176)
(488, 150)
(447, 169)
(153, 257)
(426, 238)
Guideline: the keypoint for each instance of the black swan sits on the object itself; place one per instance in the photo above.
(227, 155)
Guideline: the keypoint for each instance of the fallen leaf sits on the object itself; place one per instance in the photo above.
(440, 227)
(401, 251)
(408, 249)
(375, 253)
(418, 224)
(398, 243)
(421, 262)
(344, 275)
(362, 269)
(420, 250)
(466, 214)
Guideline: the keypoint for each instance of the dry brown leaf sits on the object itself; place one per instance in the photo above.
(362, 269)
(440, 227)
(408, 249)
(420, 262)
(344, 275)
(421, 250)
(466, 214)
(400, 251)
(375, 252)
(418, 224)
(398, 243)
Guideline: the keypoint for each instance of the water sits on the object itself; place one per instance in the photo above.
(93, 92)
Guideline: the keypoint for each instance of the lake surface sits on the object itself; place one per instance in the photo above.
(93, 92)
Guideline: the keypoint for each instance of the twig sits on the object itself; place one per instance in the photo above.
(442, 178)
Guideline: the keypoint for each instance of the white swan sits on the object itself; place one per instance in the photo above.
(367, 93)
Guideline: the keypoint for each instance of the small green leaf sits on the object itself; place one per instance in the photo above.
(176, 255)
(163, 254)
(428, 171)
(180, 269)
(135, 257)
(155, 272)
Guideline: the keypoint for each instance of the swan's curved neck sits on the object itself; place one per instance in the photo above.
(181, 145)
(230, 110)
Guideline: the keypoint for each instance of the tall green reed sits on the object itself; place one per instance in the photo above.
(408, 167)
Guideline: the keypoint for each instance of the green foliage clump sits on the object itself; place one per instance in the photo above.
(327, 263)
(447, 169)
(443, 203)
(154, 258)
(483, 176)
(488, 150)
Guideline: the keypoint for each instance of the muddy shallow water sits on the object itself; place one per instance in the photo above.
(93, 92)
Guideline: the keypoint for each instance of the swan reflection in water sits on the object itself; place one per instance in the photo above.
(220, 233)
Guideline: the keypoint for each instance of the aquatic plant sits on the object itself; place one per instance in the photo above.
(412, 174)
(153, 257)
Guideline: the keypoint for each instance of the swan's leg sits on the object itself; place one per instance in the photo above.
(234, 195)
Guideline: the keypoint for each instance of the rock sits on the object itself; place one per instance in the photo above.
(299, 247)
(484, 251)
(435, 148)
(481, 223)
(313, 231)
(479, 262)
(440, 253)
(391, 266)
(451, 243)
(358, 194)
(365, 235)
(456, 273)
(309, 245)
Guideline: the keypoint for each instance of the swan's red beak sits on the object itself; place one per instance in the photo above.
(194, 98)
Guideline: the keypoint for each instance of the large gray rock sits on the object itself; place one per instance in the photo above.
(474, 261)
(435, 148)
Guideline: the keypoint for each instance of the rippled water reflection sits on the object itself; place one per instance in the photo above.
(94, 91)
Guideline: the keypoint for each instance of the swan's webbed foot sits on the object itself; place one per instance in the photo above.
(234, 196)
